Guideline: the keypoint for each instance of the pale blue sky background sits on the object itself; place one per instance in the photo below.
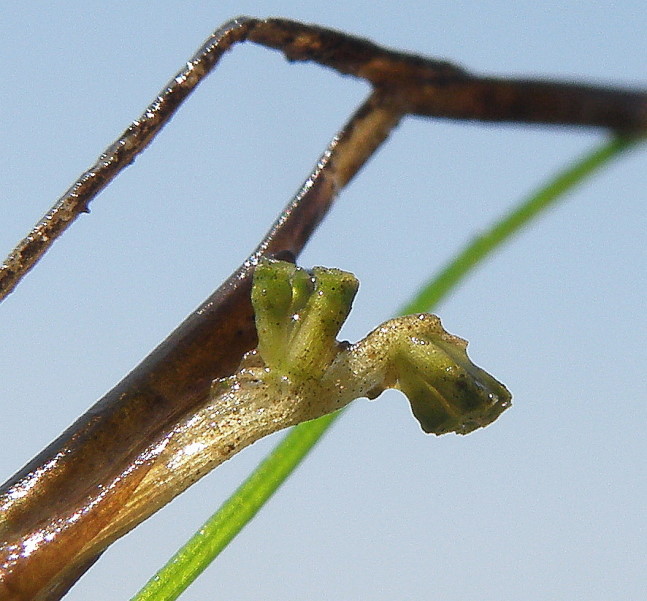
(548, 503)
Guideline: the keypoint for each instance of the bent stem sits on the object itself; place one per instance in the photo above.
(185, 566)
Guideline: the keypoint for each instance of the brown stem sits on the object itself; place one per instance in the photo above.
(101, 457)
(421, 86)
(67, 494)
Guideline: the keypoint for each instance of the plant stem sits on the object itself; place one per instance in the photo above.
(243, 505)
(238, 510)
(511, 224)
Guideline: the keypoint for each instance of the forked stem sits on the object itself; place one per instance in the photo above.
(415, 84)
(213, 537)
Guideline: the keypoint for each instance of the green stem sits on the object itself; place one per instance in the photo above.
(207, 543)
(512, 223)
(243, 505)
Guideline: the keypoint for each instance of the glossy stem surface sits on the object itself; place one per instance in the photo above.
(69, 492)
(57, 504)
(419, 85)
